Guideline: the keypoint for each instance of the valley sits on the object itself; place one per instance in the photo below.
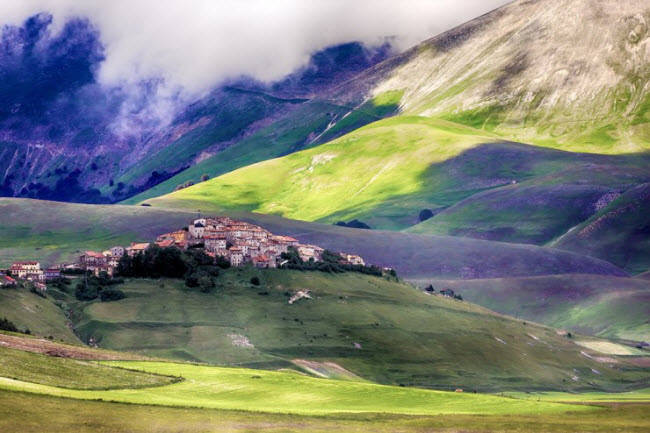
(372, 231)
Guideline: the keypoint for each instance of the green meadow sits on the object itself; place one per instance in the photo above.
(288, 392)
(22, 412)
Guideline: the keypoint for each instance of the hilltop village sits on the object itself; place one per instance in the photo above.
(238, 242)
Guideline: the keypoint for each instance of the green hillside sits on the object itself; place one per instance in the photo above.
(73, 373)
(619, 233)
(550, 192)
(605, 306)
(340, 180)
(30, 311)
(312, 123)
(387, 173)
(54, 232)
(377, 329)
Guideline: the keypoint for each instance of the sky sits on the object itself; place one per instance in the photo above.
(193, 45)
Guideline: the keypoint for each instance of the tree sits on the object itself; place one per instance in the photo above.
(205, 177)
(85, 292)
(8, 325)
(255, 281)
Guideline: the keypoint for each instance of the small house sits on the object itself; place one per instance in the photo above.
(447, 293)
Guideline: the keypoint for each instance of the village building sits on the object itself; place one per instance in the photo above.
(136, 248)
(7, 281)
(92, 258)
(236, 256)
(98, 269)
(117, 251)
(310, 252)
(447, 293)
(27, 270)
(52, 273)
(166, 243)
(352, 259)
(214, 243)
(262, 261)
(197, 229)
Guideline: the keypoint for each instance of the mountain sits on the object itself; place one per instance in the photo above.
(65, 136)
(450, 161)
(566, 74)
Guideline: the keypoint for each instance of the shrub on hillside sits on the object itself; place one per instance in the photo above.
(255, 281)
(84, 292)
(425, 214)
(37, 292)
(206, 283)
(111, 294)
(60, 283)
(91, 287)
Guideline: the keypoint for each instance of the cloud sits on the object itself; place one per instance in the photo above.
(192, 45)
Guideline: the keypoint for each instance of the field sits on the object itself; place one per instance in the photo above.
(211, 398)
(642, 395)
(604, 306)
(286, 392)
(27, 413)
(376, 329)
(53, 232)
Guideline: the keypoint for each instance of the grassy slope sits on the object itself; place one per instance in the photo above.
(40, 316)
(52, 232)
(405, 335)
(229, 118)
(604, 306)
(384, 174)
(619, 233)
(554, 191)
(280, 392)
(27, 413)
(345, 177)
(72, 373)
